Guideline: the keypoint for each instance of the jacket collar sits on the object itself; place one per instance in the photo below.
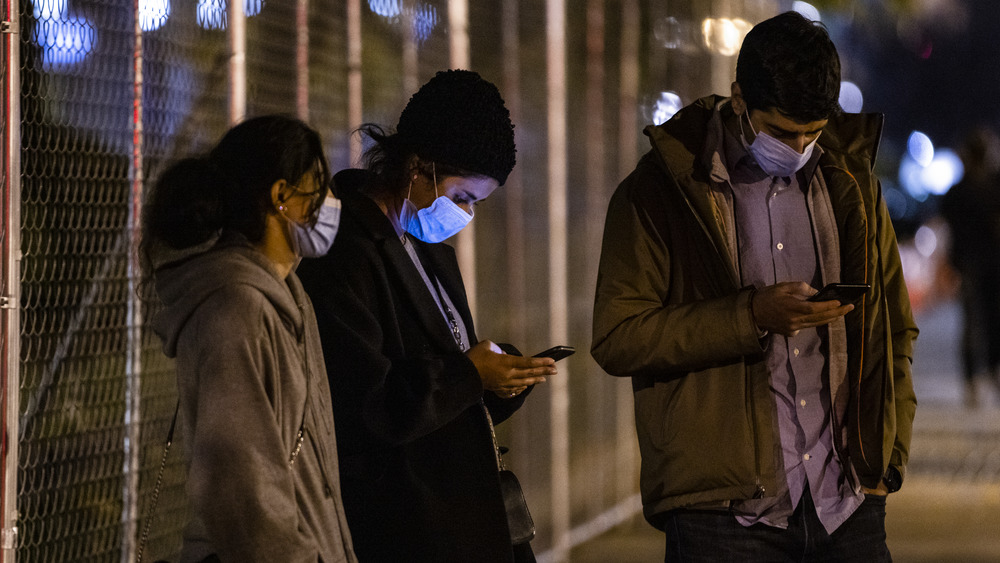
(686, 149)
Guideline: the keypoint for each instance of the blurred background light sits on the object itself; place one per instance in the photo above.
(925, 240)
(851, 99)
(425, 16)
(920, 148)
(909, 178)
(425, 19)
(896, 201)
(49, 9)
(153, 14)
(212, 13)
(65, 39)
(386, 8)
(665, 107)
(806, 9)
(944, 171)
(668, 32)
(724, 35)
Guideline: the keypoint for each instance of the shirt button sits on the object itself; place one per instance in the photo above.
(806, 457)
(796, 351)
(780, 246)
(802, 402)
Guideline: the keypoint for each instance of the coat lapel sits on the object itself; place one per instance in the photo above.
(400, 267)
(678, 155)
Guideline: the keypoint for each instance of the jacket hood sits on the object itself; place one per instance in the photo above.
(187, 279)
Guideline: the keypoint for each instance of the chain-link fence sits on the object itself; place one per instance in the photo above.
(110, 91)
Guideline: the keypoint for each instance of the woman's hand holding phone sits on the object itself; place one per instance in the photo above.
(508, 375)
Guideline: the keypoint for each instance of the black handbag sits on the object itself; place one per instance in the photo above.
(522, 527)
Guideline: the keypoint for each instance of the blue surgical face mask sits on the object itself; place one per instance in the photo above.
(442, 220)
(311, 241)
(774, 157)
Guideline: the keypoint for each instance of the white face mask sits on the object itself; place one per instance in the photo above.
(311, 241)
(774, 157)
(442, 220)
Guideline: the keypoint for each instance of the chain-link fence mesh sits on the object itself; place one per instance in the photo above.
(77, 127)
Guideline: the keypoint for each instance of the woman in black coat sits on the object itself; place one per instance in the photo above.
(408, 376)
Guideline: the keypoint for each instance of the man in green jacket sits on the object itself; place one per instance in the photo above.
(769, 424)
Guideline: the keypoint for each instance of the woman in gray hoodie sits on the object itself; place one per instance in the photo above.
(222, 235)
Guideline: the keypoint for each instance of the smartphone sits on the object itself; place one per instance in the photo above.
(843, 292)
(556, 352)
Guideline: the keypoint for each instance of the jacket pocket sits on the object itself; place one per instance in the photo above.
(696, 431)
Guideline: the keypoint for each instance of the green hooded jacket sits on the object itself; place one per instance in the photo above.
(670, 313)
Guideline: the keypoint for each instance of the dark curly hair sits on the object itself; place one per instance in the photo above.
(790, 64)
(458, 121)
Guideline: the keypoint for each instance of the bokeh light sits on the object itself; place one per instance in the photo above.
(665, 107)
(669, 33)
(806, 9)
(920, 148)
(153, 14)
(212, 13)
(724, 35)
(925, 241)
(65, 39)
(386, 8)
(943, 172)
(851, 100)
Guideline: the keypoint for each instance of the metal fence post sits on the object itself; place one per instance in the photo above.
(555, 15)
(458, 57)
(237, 35)
(10, 294)
(134, 321)
(355, 114)
(10, 282)
(302, 59)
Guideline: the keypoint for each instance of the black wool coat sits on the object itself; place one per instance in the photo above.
(418, 471)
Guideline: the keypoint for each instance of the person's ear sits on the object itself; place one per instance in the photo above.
(413, 167)
(737, 101)
(280, 192)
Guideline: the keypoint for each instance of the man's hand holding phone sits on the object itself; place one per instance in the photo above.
(785, 308)
(842, 292)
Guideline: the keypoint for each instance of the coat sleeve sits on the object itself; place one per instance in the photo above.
(390, 385)
(239, 480)
(649, 314)
(903, 335)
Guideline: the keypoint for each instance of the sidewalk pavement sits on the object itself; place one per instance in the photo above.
(947, 511)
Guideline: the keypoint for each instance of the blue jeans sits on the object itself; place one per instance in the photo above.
(710, 536)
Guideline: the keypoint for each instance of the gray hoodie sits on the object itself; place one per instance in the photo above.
(250, 374)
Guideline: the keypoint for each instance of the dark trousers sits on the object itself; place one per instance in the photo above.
(707, 536)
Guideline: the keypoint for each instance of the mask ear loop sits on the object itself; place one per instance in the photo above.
(434, 173)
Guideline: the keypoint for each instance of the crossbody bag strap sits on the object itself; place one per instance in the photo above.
(163, 464)
(496, 446)
(156, 488)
